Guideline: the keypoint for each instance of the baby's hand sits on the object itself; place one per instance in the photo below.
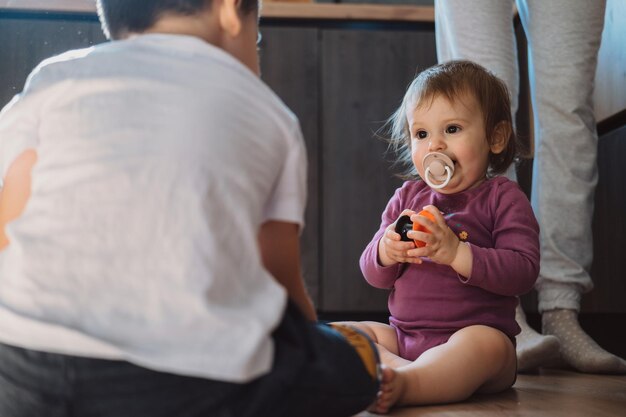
(392, 250)
(441, 242)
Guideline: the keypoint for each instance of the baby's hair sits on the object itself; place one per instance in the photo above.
(453, 80)
(122, 17)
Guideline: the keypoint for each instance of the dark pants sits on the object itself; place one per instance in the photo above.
(315, 373)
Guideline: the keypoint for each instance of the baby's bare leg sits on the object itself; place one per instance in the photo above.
(475, 359)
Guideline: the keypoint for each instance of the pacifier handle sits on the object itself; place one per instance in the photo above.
(443, 184)
(438, 169)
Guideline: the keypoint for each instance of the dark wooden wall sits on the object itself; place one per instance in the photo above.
(365, 76)
(289, 64)
(609, 228)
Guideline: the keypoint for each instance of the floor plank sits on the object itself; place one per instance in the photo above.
(552, 393)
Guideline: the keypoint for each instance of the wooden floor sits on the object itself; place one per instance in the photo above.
(550, 393)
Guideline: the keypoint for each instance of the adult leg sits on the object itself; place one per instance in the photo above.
(475, 359)
(563, 39)
(482, 31)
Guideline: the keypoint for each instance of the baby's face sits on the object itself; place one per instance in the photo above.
(456, 129)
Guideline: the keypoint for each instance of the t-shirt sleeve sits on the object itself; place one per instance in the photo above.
(19, 123)
(288, 199)
(511, 267)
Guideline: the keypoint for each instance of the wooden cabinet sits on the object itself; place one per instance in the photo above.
(364, 76)
(289, 64)
(343, 83)
(609, 227)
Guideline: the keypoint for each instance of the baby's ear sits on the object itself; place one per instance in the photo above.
(229, 17)
(501, 136)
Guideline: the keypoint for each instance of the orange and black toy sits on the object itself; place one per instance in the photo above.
(404, 224)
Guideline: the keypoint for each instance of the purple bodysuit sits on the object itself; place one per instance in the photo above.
(430, 302)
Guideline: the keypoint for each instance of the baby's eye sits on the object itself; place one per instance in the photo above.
(453, 129)
(421, 134)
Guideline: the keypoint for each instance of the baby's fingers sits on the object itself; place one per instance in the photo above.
(398, 250)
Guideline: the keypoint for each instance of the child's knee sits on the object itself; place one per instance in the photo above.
(489, 342)
(498, 348)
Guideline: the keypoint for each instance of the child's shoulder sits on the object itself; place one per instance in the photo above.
(63, 58)
(53, 69)
(502, 184)
(503, 192)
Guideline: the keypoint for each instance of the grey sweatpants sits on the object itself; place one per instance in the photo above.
(563, 41)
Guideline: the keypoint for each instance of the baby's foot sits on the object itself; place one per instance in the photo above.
(392, 387)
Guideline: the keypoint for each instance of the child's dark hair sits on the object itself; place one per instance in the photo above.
(121, 17)
(452, 80)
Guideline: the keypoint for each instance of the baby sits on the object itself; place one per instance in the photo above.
(452, 302)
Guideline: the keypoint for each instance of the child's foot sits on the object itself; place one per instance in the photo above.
(578, 349)
(533, 349)
(392, 387)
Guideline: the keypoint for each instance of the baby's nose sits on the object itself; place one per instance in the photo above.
(436, 143)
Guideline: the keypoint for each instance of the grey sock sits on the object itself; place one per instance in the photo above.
(578, 349)
(533, 349)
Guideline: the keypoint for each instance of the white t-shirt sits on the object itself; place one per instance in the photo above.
(158, 159)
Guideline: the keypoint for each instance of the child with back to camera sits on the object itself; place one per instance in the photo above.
(152, 269)
(452, 303)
